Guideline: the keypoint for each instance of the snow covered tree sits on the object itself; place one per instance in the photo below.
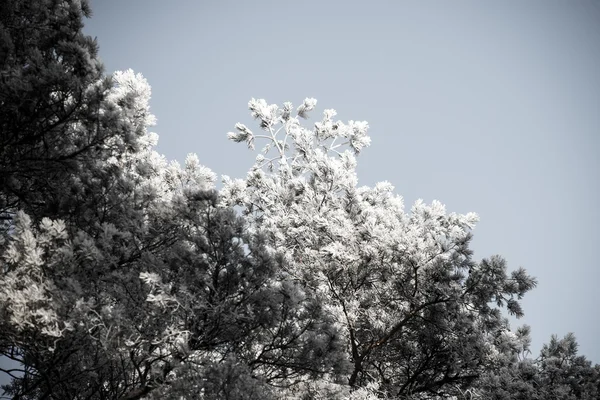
(121, 276)
(143, 285)
(51, 88)
(557, 373)
(414, 308)
(104, 217)
(564, 373)
(124, 276)
(244, 326)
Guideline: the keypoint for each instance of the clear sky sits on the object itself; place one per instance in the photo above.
(492, 107)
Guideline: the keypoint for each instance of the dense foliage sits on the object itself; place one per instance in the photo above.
(125, 276)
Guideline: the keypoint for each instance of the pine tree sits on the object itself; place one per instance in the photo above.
(557, 373)
(50, 90)
(412, 304)
(122, 277)
(125, 276)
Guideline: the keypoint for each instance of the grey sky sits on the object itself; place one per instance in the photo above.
(492, 107)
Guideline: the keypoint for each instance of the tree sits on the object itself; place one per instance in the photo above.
(121, 277)
(80, 264)
(124, 276)
(148, 281)
(557, 373)
(51, 87)
(402, 287)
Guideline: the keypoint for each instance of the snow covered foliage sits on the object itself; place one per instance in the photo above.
(75, 309)
(51, 87)
(557, 373)
(122, 277)
(414, 308)
(25, 293)
(126, 276)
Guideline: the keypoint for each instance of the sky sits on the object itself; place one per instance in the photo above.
(491, 107)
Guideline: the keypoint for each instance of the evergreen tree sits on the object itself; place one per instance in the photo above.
(557, 373)
(124, 276)
(121, 276)
(413, 306)
(50, 92)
